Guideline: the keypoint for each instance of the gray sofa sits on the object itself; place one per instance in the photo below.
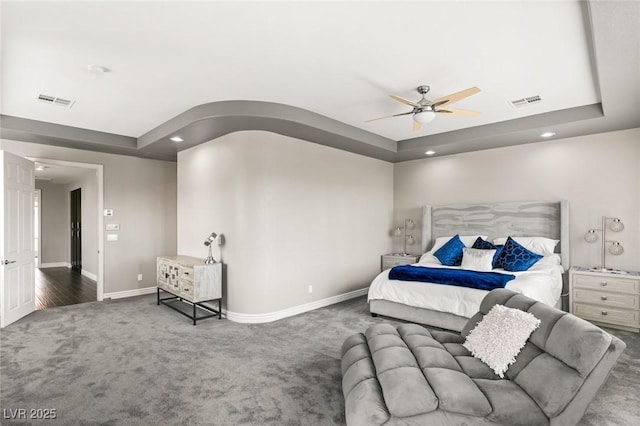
(408, 375)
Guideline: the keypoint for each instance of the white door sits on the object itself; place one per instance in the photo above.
(17, 257)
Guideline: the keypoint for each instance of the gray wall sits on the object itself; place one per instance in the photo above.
(294, 214)
(598, 174)
(142, 194)
(54, 223)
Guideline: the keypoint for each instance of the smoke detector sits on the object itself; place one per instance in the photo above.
(54, 100)
(97, 69)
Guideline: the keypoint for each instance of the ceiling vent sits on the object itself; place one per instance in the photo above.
(66, 103)
(519, 103)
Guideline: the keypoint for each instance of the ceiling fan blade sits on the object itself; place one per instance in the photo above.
(406, 101)
(455, 97)
(389, 116)
(464, 112)
(416, 126)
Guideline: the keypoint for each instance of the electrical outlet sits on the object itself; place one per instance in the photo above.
(139, 277)
(310, 289)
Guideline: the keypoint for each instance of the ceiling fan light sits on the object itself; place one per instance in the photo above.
(424, 117)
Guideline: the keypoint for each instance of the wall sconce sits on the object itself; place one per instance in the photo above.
(408, 238)
(615, 247)
(208, 242)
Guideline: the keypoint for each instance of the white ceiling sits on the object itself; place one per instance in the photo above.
(337, 59)
(53, 173)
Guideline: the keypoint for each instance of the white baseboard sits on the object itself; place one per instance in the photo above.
(273, 316)
(89, 275)
(130, 293)
(55, 265)
(257, 318)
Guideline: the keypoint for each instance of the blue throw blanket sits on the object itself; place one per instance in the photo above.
(459, 277)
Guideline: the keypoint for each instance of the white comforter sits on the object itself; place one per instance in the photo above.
(541, 282)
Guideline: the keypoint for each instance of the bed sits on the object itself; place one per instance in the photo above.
(450, 307)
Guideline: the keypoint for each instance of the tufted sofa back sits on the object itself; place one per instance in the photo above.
(559, 357)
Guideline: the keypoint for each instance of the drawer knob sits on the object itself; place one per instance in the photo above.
(603, 297)
(604, 313)
(603, 283)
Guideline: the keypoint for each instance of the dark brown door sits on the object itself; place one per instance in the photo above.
(76, 230)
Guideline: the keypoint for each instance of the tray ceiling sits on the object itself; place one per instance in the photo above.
(315, 68)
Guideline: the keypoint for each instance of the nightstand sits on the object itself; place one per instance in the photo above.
(394, 259)
(610, 299)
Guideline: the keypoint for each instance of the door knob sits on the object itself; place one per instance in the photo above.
(6, 262)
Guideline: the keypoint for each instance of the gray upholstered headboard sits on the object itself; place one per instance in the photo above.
(524, 219)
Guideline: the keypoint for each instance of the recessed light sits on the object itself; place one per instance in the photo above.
(430, 152)
(177, 139)
(547, 134)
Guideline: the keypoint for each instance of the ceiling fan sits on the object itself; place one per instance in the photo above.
(424, 110)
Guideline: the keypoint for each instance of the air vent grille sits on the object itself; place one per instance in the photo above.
(519, 103)
(46, 98)
(53, 100)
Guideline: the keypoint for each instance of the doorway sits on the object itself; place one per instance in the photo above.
(77, 187)
(75, 213)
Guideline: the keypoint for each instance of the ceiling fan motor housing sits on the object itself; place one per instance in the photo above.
(423, 90)
(425, 104)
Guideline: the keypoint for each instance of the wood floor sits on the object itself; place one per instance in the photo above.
(61, 287)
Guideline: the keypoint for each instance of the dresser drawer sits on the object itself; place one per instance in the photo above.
(616, 284)
(391, 261)
(186, 273)
(604, 298)
(607, 315)
(186, 289)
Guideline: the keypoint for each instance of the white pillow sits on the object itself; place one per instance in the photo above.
(428, 257)
(553, 259)
(540, 245)
(500, 336)
(477, 259)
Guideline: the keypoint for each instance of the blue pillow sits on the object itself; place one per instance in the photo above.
(515, 258)
(481, 244)
(450, 253)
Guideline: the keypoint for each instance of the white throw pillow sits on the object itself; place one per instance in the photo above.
(539, 245)
(477, 259)
(500, 336)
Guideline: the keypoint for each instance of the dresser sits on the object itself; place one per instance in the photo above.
(192, 285)
(610, 299)
(394, 259)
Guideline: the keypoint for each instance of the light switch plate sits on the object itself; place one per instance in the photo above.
(108, 212)
(113, 226)
(112, 237)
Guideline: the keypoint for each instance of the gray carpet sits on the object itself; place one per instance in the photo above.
(130, 362)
